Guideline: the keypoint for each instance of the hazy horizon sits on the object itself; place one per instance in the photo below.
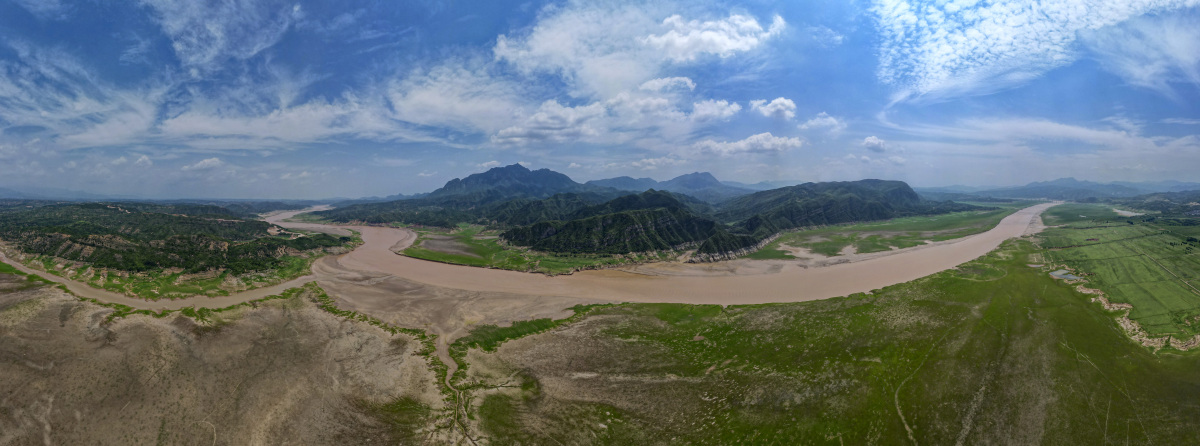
(300, 100)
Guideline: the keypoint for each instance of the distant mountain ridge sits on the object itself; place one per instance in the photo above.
(702, 185)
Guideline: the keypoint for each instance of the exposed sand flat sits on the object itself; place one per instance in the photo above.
(774, 283)
(377, 254)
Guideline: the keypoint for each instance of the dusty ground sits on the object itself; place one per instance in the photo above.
(283, 373)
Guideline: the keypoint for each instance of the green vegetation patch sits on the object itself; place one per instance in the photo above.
(1142, 264)
(898, 233)
(1077, 212)
(1016, 358)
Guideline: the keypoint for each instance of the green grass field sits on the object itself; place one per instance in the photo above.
(993, 352)
(485, 250)
(1139, 264)
(1077, 212)
(883, 236)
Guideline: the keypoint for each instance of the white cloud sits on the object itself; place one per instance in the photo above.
(655, 163)
(206, 164)
(295, 176)
(574, 166)
(488, 165)
(668, 83)
(426, 174)
(453, 95)
(45, 9)
(119, 161)
(204, 34)
(756, 144)
(601, 49)
(822, 121)
(143, 161)
(1181, 121)
(1150, 52)
(782, 108)
(944, 49)
(712, 109)
(553, 123)
(826, 37)
(688, 40)
(874, 144)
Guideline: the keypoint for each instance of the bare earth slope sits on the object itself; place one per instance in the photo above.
(283, 373)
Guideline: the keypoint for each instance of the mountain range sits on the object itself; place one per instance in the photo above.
(547, 211)
(701, 185)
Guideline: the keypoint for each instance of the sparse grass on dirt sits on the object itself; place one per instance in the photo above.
(469, 245)
(992, 352)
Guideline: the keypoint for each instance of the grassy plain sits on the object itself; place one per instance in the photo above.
(992, 352)
(1141, 264)
(885, 235)
(1077, 212)
(470, 245)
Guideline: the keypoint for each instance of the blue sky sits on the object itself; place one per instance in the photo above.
(243, 99)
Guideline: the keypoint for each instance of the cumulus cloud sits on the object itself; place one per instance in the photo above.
(655, 163)
(756, 144)
(553, 122)
(782, 108)
(712, 109)
(143, 161)
(688, 40)
(822, 121)
(874, 144)
(668, 83)
(574, 166)
(488, 165)
(943, 49)
(205, 164)
(601, 48)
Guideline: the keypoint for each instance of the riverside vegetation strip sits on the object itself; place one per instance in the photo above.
(158, 251)
(991, 352)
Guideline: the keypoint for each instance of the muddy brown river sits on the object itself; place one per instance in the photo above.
(789, 284)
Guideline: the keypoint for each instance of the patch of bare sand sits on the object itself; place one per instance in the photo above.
(787, 285)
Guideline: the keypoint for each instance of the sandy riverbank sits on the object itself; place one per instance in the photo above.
(771, 282)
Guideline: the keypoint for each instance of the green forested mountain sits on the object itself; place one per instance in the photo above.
(510, 182)
(811, 204)
(652, 220)
(511, 195)
(657, 220)
(701, 185)
(144, 237)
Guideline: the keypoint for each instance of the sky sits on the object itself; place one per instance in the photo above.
(286, 99)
